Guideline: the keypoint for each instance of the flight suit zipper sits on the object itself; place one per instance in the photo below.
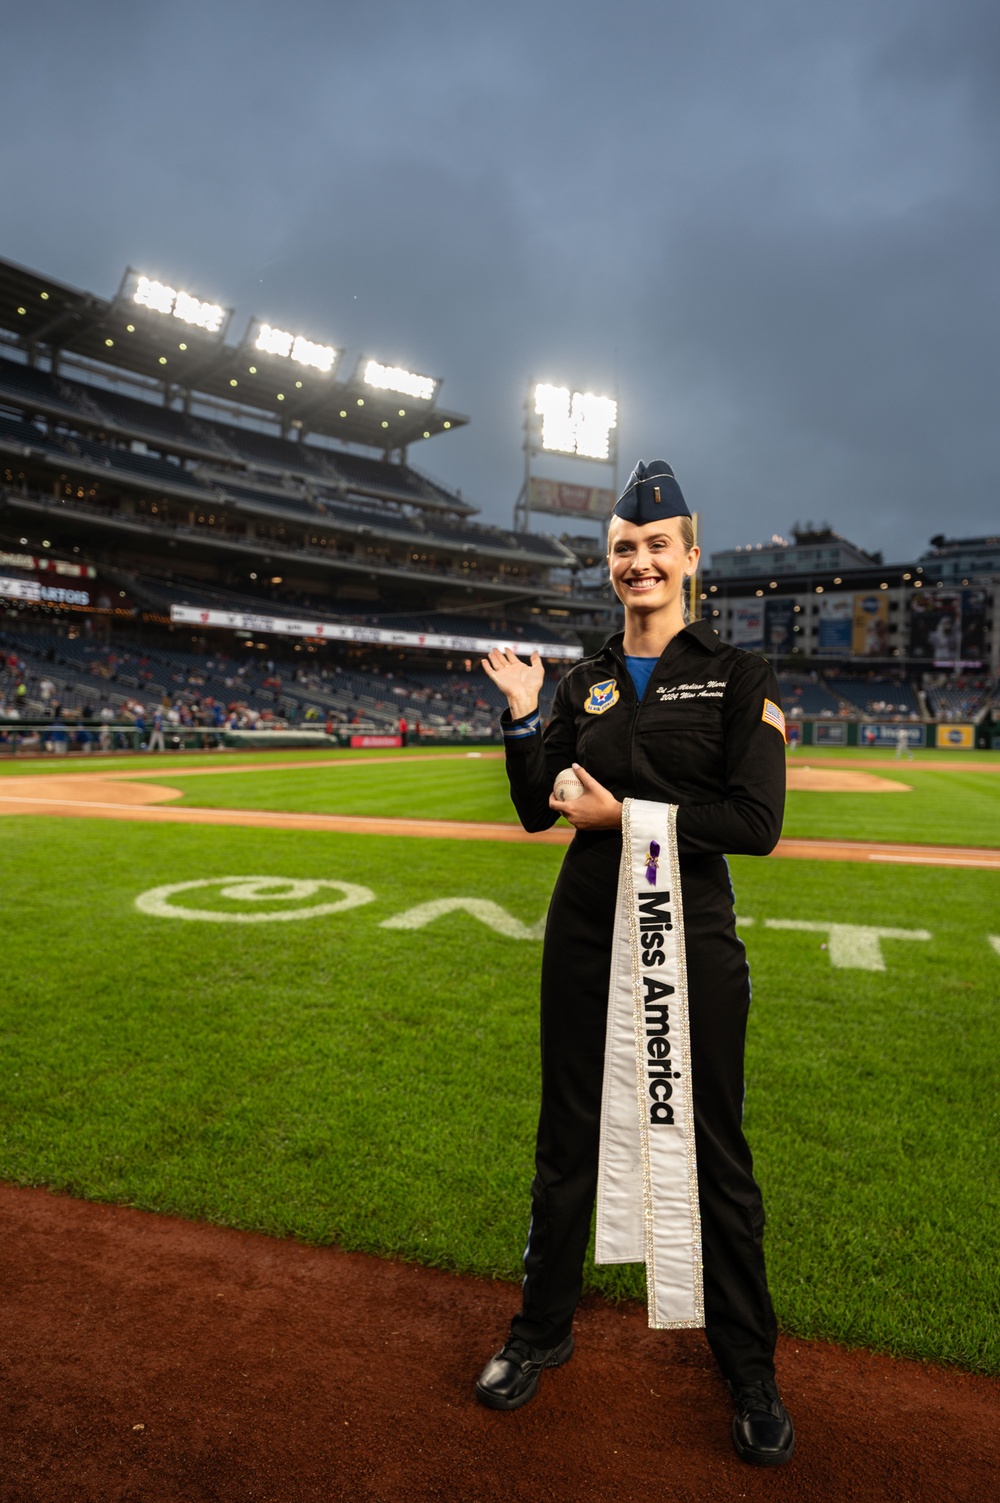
(627, 681)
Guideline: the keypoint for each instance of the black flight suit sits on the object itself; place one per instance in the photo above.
(697, 739)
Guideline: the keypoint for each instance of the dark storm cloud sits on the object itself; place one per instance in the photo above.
(776, 224)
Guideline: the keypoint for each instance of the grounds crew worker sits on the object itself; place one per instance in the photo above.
(667, 712)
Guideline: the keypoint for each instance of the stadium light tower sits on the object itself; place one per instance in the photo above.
(573, 424)
(139, 290)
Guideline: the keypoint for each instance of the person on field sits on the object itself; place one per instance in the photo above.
(156, 738)
(665, 720)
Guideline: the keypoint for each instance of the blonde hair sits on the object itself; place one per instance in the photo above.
(685, 527)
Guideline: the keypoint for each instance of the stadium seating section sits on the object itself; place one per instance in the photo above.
(323, 477)
(87, 677)
(876, 696)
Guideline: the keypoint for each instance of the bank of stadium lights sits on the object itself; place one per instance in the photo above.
(578, 422)
(159, 298)
(394, 378)
(288, 346)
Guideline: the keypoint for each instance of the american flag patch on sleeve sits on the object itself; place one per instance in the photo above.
(772, 714)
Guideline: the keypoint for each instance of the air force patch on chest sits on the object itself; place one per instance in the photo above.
(601, 697)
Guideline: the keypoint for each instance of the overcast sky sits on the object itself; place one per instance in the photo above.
(773, 224)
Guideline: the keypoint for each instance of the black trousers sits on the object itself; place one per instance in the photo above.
(576, 965)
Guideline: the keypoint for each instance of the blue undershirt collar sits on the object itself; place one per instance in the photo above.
(640, 671)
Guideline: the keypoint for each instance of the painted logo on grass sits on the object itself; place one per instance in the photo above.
(281, 890)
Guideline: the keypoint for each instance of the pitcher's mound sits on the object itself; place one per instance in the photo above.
(836, 780)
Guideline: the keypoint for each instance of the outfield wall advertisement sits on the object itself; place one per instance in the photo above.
(888, 735)
(328, 631)
(962, 737)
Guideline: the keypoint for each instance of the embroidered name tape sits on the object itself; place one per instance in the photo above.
(772, 714)
(601, 697)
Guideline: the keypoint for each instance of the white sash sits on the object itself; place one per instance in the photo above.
(647, 1191)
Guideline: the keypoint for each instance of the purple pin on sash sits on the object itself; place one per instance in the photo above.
(652, 862)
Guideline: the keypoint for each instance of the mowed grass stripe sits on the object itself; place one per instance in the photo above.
(945, 808)
(467, 788)
(335, 1081)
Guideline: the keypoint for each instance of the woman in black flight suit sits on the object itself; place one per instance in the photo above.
(664, 712)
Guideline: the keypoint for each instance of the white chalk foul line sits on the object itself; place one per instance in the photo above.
(984, 863)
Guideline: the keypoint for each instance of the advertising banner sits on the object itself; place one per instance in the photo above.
(888, 735)
(779, 618)
(936, 626)
(46, 565)
(870, 630)
(28, 589)
(574, 500)
(748, 626)
(370, 741)
(829, 733)
(836, 619)
(962, 736)
(330, 631)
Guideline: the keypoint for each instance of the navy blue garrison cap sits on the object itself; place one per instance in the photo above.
(651, 495)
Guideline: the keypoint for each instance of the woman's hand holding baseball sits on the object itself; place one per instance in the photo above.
(521, 682)
(595, 809)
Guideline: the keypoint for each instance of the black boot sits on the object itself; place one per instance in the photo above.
(510, 1378)
(762, 1429)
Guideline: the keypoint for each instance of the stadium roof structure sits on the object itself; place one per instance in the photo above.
(182, 351)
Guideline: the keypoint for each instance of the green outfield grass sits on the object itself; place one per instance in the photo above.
(945, 807)
(335, 1081)
(464, 787)
(953, 807)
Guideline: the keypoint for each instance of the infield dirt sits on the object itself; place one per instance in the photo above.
(146, 1358)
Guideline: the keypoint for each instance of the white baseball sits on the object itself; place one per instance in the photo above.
(567, 786)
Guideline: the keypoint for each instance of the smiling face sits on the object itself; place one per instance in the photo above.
(649, 564)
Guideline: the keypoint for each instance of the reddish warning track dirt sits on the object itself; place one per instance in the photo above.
(148, 1360)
